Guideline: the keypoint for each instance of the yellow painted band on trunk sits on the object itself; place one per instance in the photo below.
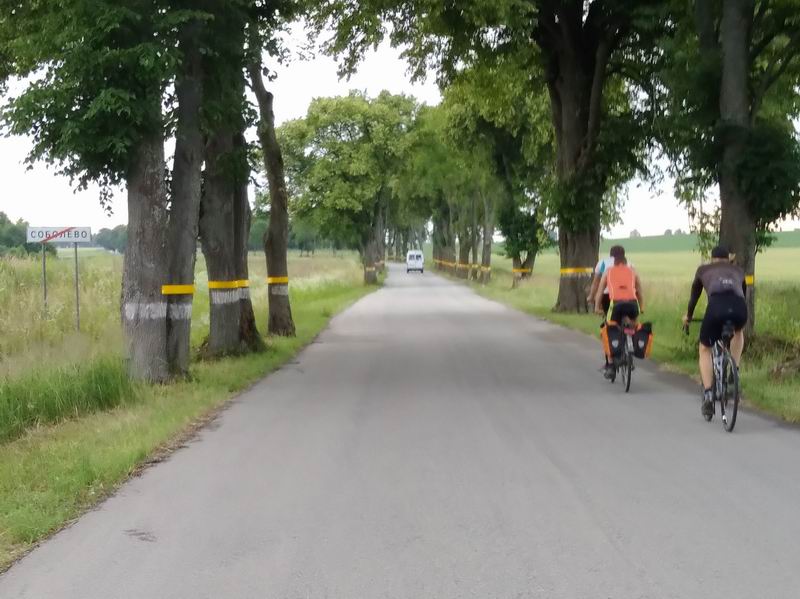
(577, 271)
(486, 268)
(277, 280)
(228, 284)
(370, 269)
(750, 280)
(177, 290)
(522, 270)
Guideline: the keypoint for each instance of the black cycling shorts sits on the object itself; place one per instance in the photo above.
(623, 309)
(606, 303)
(722, 308)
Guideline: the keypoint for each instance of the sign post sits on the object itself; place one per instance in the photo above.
(44, 277)
(77, 293)
(76, 235)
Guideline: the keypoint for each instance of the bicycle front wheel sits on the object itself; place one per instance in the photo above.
(729, 401)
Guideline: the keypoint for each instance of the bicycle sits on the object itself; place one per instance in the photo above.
(725, 386)
(624, 363)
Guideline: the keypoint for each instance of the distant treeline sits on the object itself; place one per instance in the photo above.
(302, 236)
(13, 236)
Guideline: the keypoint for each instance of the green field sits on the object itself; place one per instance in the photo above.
(688, 243)
(667, 276)
(72, 427)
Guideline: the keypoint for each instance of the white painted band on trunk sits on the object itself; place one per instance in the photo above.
(145, 311)
(279, 290)
(181, 311)
(229, 296)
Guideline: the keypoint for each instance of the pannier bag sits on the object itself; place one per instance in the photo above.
(643, 340)
(613, 339)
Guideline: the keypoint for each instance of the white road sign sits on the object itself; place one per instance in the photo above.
(60, 234)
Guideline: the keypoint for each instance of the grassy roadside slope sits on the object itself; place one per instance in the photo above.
(666, 278)
(52, 473)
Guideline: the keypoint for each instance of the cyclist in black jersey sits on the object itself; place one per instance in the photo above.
(725, 286)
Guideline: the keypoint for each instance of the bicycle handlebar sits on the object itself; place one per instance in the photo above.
(686, 326)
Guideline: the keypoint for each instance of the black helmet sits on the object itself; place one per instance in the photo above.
(720, 252)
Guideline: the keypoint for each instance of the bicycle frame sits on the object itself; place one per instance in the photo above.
(720, 356)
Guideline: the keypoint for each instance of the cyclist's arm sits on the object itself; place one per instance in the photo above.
(595, 285)
(639, 295)
(598, 298)
(697, 291)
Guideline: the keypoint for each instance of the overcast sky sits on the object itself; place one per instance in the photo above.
(44, 199)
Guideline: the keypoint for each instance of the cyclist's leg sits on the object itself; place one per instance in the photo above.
(706, 366)
(710, 333)
(737, 314)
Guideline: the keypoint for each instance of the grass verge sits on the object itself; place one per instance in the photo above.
(666, 281)
(51, 474)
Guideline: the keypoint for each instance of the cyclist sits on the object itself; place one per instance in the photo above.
(602, 265)
(725, 287)
(624, 290)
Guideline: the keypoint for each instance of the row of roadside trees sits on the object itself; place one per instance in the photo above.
(105, 86)
(549, 109)
(710, 85)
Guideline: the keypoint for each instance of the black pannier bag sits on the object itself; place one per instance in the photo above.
(643, 341)
(613, 339)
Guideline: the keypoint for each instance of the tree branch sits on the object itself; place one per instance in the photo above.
(776, 67)
(705, 24)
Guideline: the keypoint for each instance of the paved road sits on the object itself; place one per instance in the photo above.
(432, 444)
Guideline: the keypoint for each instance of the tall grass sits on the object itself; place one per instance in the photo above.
(31, 336)
(48, 396)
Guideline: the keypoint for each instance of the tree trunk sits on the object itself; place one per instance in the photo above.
(184, 211)
(464, 250)
(577, 53)
(144, 308)
(277, 236)
(249, 337)
(474, 268)
(370, 254)
(380, 237)
(224, 229)
(516, 266)
(737, 226)
(488, 238)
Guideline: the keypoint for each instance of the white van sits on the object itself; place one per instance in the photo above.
(415, 261)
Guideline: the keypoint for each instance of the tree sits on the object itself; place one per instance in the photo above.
(225, 222)
(115, 239)
(303, 235)
(95, 108)
(586, 53)
(340, 160)
(733, 72)
(13, 239)
(668, 233)
(493, 108)
(635, 234)
(276, 240)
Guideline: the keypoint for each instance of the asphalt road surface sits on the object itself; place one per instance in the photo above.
(433, 444)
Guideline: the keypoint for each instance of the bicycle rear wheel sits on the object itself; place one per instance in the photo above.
(626, 368)
(729, 401)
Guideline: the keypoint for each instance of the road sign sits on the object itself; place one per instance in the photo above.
(60, 234)
(73, 235)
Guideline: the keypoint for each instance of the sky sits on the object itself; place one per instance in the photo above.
(43, 198)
